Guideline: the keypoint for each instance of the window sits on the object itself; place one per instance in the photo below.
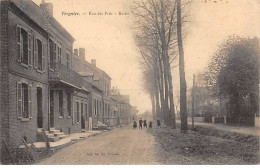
(96, 103)
(68, 59)
(69, 103)
(24, 46)
(82, 109)
(60, 103)
(86, 111)
(77, 112)
(24, 100)
(39, 55)
(59, 54)
(52, 53)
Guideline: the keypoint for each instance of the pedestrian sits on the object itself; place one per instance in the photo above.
(90, 123)
(159, 123)
(145, 123)
(150, 124)
(140, 123)
(134, 125)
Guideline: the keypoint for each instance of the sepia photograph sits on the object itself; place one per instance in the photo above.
(129, 82)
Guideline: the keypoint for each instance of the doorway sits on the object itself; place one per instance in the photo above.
(51, 108)
(82, 117)
(39, 108)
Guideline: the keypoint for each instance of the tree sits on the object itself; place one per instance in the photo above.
(183, 97)
(233, 73)
(154, 37)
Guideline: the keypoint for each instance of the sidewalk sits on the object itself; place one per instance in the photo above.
(72, 138)
(255, 131)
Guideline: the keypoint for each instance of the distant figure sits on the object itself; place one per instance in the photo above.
(134, 125)
(140, 123)
(150, 124)
(90, 123)
(159, 123)
(145, 123)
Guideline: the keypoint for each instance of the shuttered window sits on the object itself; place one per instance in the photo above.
(24, 100)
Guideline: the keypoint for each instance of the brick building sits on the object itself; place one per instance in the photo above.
(44, 83)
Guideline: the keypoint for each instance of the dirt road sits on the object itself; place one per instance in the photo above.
(119, 146)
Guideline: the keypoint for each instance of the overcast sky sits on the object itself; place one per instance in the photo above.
(109, 40)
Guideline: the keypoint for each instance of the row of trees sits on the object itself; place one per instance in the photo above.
(158, 35)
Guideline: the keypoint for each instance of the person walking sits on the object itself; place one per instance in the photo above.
(150, 124)
(145, 124)
(140, 123)
(134, 125)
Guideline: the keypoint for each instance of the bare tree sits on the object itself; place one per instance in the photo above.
(156, 27)
(183, 98)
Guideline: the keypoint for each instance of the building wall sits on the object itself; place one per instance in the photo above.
(4, 75)
(16, 66)
(96, 95)
(21, 73)
(21, 127)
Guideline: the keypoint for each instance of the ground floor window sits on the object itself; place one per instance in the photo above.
(77, 111)
(69, 103)
(24, 100)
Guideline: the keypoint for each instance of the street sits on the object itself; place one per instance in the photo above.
(164, 145)
(119, 146)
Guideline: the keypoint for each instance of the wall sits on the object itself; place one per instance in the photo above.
(3, 75)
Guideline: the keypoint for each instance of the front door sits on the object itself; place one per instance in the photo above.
(51, 108)
(82, 117)
(39, 108)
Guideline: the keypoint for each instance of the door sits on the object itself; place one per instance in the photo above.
(51, 108)
(82, 117)
(39, 108)
(86, 115)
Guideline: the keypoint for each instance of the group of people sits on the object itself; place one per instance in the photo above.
(144, 123)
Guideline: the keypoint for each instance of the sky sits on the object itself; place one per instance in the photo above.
(109, 39)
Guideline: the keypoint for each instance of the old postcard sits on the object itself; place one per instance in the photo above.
(129, 82)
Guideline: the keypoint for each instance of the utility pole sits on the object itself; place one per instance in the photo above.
(193, 101)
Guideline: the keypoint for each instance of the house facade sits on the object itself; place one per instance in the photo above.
(46, 84)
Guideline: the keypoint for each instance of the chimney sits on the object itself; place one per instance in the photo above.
(82, 53)
(76, 52)
(47, 7)
(93, 62)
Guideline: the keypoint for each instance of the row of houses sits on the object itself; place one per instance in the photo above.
(45, 83)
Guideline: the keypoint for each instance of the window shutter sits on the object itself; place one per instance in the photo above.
(19, 99)
(30, 100)
(43, 56)
(29, 49)
(18, 40)
(35, 53)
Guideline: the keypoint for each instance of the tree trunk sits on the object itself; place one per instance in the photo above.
(153, 104)
(172, 121)
(183, 103)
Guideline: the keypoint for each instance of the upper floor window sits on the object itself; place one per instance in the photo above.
(29, 47)
(52, 53)
(59, 53)
(68, 59)
(24, 46)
